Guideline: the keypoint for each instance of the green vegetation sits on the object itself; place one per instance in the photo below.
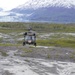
(3, 53)
(1, 39)
(39, 27)
(72, 56)
(15, 28)
(27, 50)
(48, 56)
(57, 42)
(9, 44)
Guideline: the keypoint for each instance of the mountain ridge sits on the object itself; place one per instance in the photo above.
(48, 3)
(44, 11)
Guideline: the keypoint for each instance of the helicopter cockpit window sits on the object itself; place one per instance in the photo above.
(29, 38)
(33, 38)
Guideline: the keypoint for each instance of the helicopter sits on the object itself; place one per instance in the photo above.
(29, 37)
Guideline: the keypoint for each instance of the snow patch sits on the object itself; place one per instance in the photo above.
(48, 3)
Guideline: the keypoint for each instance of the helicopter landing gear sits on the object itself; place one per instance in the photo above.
(35, 44)
(24, 43)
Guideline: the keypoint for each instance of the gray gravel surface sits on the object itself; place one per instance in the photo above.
(40, 60)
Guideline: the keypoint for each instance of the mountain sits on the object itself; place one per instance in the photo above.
(35, 4)
(55, 11)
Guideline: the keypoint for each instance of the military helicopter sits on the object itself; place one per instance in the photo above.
(29, 37)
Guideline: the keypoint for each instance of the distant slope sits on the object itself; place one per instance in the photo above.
(50, 14)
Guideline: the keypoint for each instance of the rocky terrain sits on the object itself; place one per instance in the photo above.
(47, 58)
(39, 60)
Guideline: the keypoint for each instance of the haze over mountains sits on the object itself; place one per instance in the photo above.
(55, 11)
(1, 9)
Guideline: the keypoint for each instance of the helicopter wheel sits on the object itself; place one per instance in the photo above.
(35, 44)
(23, 43)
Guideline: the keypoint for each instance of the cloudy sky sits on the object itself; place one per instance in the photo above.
(9, 4)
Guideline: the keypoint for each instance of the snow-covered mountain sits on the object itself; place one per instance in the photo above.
(60, 11)
(48, 3)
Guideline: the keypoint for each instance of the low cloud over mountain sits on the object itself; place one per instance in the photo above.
(55, 11)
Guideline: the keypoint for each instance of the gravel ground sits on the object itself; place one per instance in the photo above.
(52, 53)
(39, 60)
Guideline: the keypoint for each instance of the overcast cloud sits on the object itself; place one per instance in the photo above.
(9, 4)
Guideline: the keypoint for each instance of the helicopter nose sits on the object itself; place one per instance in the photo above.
(29, 41)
